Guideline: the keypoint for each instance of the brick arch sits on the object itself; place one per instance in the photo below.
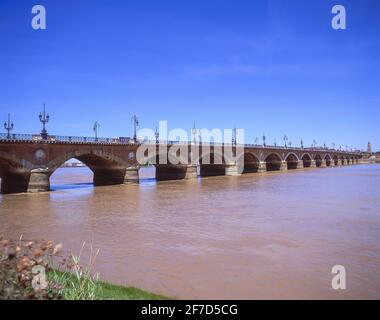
(91, 159)
(291, 160)
(168, 170)
(328, 159)
(273, 161)
(335, 159)
(14, 161)
(306, 159)
(249, 162)
(14, 173)
(212, 166)
(318, 159)
(155, 159)
(291, 154)
(108, 169)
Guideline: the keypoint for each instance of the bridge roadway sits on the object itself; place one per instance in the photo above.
(27, 162)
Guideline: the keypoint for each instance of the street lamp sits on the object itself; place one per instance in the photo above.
(234, 135)
(314, 143)
(275, 143)
(95, 128)
(256, 139)
(44, 119)
(135, 125)
(8, 126)
(301, 144)
(285, 139)
(264, 140)
(290, 143)
(157, 135)
(194, 132)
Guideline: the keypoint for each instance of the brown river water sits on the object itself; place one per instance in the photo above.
(272, 235)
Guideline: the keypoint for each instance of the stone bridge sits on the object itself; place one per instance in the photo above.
(27, 164)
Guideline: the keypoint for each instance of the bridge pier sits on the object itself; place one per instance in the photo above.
(323, 164)
(332, 163)
(39, 180)
(313, 164)
(132, 175)
(175, 172)
(232, 170)
(262, 167)
(191, 172)
(284, 166)
(299, 164)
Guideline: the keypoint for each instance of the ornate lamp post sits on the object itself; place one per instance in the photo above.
(8, 126)
(234, 137)
(194, 133)
(135, 125)
(157, 135)
(301, 144)
(314, 143)
(290, 143)
(256, 139)
(264, 140)
(275, 143)
(333, 145)
(285, 139)
(44, 119)
(95, 128)
(234, 141)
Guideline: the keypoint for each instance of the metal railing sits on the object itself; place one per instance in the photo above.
(127, 140)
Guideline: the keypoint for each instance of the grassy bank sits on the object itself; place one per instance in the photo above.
(83, 288)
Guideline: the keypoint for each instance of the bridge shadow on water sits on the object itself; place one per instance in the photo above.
(83, 185)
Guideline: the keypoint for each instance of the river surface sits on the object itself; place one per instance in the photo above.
(272, 235)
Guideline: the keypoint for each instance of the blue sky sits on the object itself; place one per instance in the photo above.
(265, 65)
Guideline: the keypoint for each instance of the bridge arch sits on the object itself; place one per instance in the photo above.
(14, 173)
(273, 162)
(318, 160)
(251, 162)
(291, 160)
(211, 165)
(328, 159)
(306, 158)
(108, 169)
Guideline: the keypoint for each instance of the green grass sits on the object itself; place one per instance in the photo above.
(86, 288)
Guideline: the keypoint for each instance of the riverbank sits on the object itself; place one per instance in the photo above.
(37, 270)
(72, 288)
